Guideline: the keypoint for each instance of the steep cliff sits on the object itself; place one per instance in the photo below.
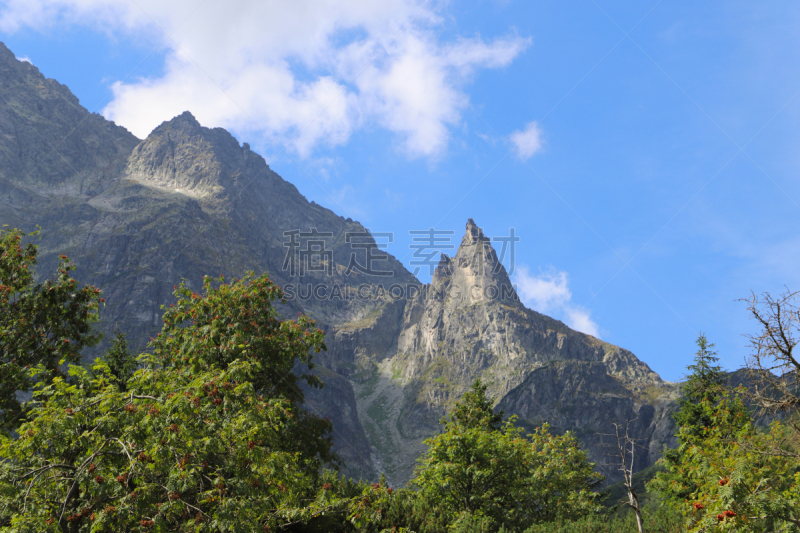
(138, 216)
(470, 323)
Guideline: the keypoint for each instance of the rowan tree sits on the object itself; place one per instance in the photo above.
(238, 321)
(202, 438)
(42, 323)
(736, 486)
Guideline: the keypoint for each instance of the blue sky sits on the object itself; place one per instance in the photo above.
(657, 183)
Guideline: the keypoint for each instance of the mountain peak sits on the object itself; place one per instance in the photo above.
(475, 272)
(185, 118)
(50, 143)
(185, 123)
(183, 156)
(473, 234)
(9, 59)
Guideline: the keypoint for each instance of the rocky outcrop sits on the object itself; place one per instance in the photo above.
(139, 216)
(470, 323)
(51, 148)
(583, 397)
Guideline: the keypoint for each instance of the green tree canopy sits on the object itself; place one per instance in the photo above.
(732, 484)
(44, 323)
(474, 409)
(476, 469)
(238, 321)
(705, 383)
(703, 390)
(203, 437)
(121, 363)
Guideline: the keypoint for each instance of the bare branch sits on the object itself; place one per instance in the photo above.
(625, 450)
(772, 363)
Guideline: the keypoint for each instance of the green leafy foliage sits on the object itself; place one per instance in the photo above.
(237, 321)
(702, 392)
(662, 519)
(737, 485)
(41, 323)
(474, 471)
(206, 436)
(727, 474)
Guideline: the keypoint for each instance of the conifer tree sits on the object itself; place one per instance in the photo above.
(703, 391)
(705, 382)
(481, 471)
(475, 410)
(121, 363)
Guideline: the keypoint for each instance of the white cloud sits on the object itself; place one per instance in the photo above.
(528, 141)
(310, 70)
(545, 293)
(581, 320)
(26, 59)
(549, 294)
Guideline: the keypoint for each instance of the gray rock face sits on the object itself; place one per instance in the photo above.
(138, 216)
(50, 146)
(472, 324)
(583, 397)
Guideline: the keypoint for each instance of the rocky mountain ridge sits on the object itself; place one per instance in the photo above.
(137, 216)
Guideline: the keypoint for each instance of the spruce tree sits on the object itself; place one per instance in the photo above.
(121, 363)
(474, 409)
(705, 383)
(704, 393)
(481, 473)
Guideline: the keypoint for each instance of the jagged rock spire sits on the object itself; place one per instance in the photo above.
(475, 274)
(473, 235)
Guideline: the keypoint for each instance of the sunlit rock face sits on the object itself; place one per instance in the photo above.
(138, 216)
(470, 323)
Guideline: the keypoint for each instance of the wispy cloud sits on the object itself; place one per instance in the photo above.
(306, 73)
(527, 141)
(549, 294)
(25, 59)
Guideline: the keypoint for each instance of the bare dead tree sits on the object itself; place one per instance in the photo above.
(773, 363)
(624, 450)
